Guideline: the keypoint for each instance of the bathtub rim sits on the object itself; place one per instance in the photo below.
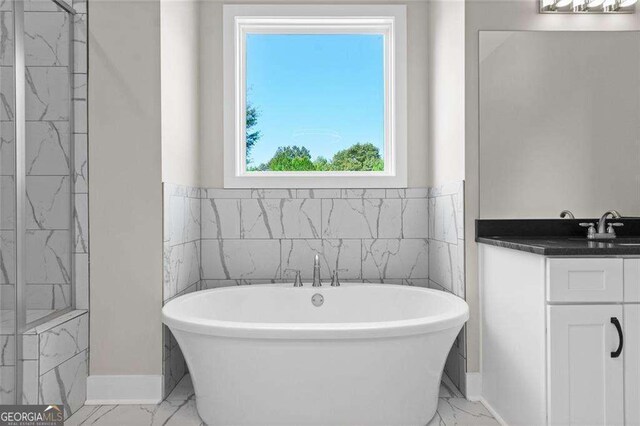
(456, 317)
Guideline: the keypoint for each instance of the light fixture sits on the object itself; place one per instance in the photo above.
(588, 6)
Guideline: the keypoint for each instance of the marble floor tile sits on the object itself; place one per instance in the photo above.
(180, 409)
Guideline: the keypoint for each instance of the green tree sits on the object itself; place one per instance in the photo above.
(322, 164)
(291, 158)
(358, 157)
(252, 136)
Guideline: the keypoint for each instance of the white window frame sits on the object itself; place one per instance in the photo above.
(389, 20)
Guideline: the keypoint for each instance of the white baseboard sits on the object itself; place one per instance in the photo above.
(113, 390)
(474, 386)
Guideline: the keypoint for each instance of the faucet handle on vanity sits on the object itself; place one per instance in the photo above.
(611, 225)
(298, 281)
(591, 232)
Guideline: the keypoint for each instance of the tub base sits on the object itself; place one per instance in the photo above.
(381, 381)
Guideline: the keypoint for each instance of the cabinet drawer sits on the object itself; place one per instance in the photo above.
(585, 280)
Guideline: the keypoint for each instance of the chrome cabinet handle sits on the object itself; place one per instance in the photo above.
(616, 323)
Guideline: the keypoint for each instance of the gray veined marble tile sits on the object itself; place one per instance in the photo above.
(241, 259)
(47, 259)
(80, 44)
(227, 193)
(81, 164)
(46, 38)
(442, 215)
(30, 382)
(448, 188)
(47, 148)
(417, 192)
(40, 6)
(48, 296)
(7, 384)
(7, 257)
(60, 343)
(395, 258)
(7, 349)
(7, 148)
(361, 218)
(280, 218)
(47, 93)
(82, 280)
(80, 120)
(363, 193)
(444, 267)
(318, 193)
(7, 203)
(341, 255)
(48, 202)
(65, 384)
(415, 220)
(80, 89)
(273, 193)
(80, 6)
(220, 218)
(395, 193)
(81, 223)
(181, 267)
(168, 413)
(7, 102)
(6, 36)
(459, 411)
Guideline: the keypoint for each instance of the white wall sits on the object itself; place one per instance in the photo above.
(125, 178)
(211, 100)
(446, 91)
(180, 42)
(503, 15)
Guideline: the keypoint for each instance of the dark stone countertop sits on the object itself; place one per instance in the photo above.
(558, 237)
(551, 246)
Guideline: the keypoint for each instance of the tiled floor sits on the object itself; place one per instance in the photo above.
(179, 409)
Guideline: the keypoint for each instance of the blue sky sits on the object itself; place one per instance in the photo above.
(325, 92)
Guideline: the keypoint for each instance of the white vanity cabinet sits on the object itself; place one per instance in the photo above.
(560, 338)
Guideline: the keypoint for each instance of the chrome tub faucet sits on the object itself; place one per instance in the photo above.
(317, 282)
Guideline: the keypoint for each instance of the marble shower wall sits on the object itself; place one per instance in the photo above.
(225, 237)
(446, 261)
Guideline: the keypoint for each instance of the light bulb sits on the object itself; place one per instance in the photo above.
(578, 5)
(627, 3)
(594, 3)
(563, 3)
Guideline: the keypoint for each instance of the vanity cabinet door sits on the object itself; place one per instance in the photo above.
(585, 372)
(632, 365)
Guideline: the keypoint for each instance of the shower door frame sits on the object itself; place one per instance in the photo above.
(20, 119)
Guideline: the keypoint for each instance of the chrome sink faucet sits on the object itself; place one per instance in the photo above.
(601, 233)
(316, 272)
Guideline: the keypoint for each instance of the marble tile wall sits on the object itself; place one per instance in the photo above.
(217, 237)
(446, 261)
(181, 251)
(55, 362)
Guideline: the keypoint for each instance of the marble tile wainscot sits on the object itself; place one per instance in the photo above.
(256, 236)
(446, 261)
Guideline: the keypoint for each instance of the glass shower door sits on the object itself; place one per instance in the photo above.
(8, 305)
(48, 160)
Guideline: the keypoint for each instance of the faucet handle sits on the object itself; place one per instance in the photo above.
(591, 232)
(611, 225)
(298, 281)
(335, 281)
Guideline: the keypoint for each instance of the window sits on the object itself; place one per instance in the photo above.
(315, 96)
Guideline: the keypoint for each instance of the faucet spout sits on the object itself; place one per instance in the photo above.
(317, 282)
(603, 220)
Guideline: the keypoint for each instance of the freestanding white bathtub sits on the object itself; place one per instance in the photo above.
(266, 355)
